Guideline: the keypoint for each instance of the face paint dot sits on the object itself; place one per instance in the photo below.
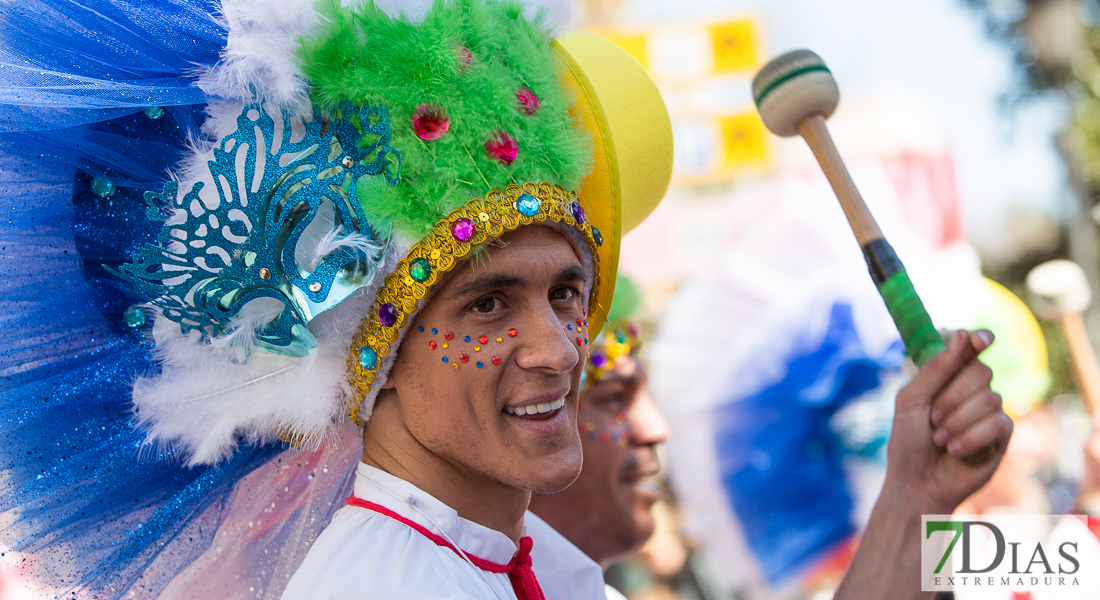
(591, 436)
(421, 329)
(622, 443)
(444, 359)
(586, 322)
(590, 426)
(434, 331)
(578, 341)
(431, 345)
(580, 427)
(477, 348)
(615, 437)
(496, 360)
(455, 366)
(570, 327)
(464, 357)
(445, 344)
(483, 340)
(605, 438)
(512, 333)
(579, 322)
(466, 339)
(586, 340)
(499, 340)
(448, 335)
(479, 364)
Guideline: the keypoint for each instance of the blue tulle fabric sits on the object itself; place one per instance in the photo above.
(781, 463)
(92, 510)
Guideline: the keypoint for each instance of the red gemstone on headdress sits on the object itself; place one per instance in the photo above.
(483, 339)
(449, 335)
(502, 148)
(462, 229)
(464, 357)
(512, 333)
(527, 102)
(430, 121)
(431, 345)
(465, 57)
(496, 360)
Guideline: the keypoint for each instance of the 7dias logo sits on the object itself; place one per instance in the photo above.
(1010, 553)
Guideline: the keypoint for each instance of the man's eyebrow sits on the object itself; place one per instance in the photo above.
(572, 273)
(489, 281)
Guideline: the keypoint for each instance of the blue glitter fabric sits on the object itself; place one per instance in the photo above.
(86, 508)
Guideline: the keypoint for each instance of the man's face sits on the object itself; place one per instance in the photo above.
(606, 512)
(497, 341)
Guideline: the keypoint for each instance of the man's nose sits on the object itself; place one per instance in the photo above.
(546, 345)
(647, 425)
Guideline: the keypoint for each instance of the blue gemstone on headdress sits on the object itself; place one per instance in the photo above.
(103, 188)
(154, 112)
(599, 238)
(134, 316)
(368, 358)
(528, 205)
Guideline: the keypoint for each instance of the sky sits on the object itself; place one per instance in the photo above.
(936, 54)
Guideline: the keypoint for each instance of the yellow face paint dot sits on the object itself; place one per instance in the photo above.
(590, 426)
(499, 340)
(621, 442)
(477, 348)
(455, 366)
(444, 344)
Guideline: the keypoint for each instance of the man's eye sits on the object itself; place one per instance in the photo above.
(564, 293)
(485, 305)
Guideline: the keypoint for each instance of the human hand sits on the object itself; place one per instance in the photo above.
(949, 431)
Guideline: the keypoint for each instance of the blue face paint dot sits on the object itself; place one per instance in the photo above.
(444, 359)
(479, 364)
(591, 435)
(421, 329)
(466, 339)
(434, 331)
(586, 340)
(570, 326)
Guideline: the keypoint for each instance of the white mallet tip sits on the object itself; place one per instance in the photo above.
(792, 87)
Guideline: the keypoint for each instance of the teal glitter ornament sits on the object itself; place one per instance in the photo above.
(528, 205)
(219, 251)
(154, 112)
(103, 188)
(368, 358)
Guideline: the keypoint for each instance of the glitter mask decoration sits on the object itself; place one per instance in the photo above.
(618, 340)
(218, 252)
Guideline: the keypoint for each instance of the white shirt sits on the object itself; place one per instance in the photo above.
(364, 554)
(563, 571)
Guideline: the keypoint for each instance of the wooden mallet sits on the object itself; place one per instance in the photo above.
(1059, 292)
(795, 93)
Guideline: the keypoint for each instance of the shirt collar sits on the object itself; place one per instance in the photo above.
(416, 505)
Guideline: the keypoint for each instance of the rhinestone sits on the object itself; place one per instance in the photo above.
(477, 348)
(430, 121)
(368, 358)
(387, 314)
(420, 269)
(265, 274)
(103, 188)
(597, 236)
(464, 57)
(421, 329)
(348, 162)
(445, 345)
(527, 102)
(512, 332)
(449, 335)
(502, 147)
(444, 359)
(434, 331)
(466, 339)
(315, 287)
(499, 340)
(431, 345)
(483, 339)
(577, 211)
(528, 205)
(462, 229)
(464, 357)
(578, 341)
(496, 360)
(154, 112)
(134, 317)
(479, 364)
(570, 326)
(455, 366)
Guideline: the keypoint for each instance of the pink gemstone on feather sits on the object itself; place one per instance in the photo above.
(527, 101)
(502, 147)
(430, 121)
(465, 57)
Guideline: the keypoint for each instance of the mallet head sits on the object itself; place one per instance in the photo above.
(792, 87)
(1058, 287)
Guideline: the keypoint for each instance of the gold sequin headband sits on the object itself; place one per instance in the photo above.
(453, 238)
(618, 340)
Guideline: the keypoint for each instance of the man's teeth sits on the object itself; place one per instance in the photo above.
(530, 409)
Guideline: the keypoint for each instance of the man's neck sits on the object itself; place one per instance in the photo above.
(389, 446)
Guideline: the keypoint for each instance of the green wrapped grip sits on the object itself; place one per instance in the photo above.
(922, 341)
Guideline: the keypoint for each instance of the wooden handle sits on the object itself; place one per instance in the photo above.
(1086, 371)
(821, 143)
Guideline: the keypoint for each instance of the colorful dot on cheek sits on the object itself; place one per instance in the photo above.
(444, 359)
(512, 333)
(466, 339)
(448, 335)
(579, 341)
(591, 436)
(499, 340)
(605, 438)
(622, 443)
(586, 340)
(483, 340)
(445, 345)
(580, 427)
(456, 366)
(431, 345)
(434, 331)
(464, 357)
(477, 348)
(496, 360)
(421, 329)
(570, 326)
(590, 426)
(579, 323)
(480, 364)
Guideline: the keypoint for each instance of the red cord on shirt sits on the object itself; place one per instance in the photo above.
(518, 569)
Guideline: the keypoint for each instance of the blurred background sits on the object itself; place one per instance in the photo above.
(972, 128)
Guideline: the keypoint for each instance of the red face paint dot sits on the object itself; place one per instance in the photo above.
(449, 335)
(464, 357)
(580, 427)
(580, 342)
(483, 340)
(605, 438)
(512, 333)
(431, 345)
(496, 360)
(579, 322)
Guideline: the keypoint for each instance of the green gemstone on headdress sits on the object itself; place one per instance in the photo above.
(368, 358)
(103, 188)
(420, 269)
(599, 237)
(134, 317)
